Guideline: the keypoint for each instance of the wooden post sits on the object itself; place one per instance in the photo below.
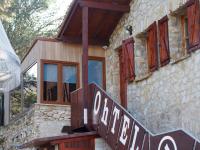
(85, 62)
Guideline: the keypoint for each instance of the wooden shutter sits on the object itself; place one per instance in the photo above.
(152, 48)
(128, 48)
(164, 41)
(193, 14)
(127, 68)
(123, 81)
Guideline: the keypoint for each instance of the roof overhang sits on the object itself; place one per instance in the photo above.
(104, 16)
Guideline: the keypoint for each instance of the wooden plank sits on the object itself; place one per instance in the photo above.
(114, 125)
(197, 146)
(92, 41)
(146, 145)
(125, 131)
(90, 104)
(137, 136)
(58, 139)
(193, 14)
(175, 140)
(85, 143)
(105, 6)
(74, 114)
(123, 81)
(79, 108)
(96, 108)
(152, 47)
(68, 19)
(105, 115)
(164, 41)
(85, 61)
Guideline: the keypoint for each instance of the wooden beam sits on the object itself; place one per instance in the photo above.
(85, 63)
(78, 40)
(68, 19)
(105, 6)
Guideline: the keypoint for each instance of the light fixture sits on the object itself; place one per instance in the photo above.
(105, 47)
(129, 29)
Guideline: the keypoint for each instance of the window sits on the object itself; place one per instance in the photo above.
(50, 82)
(96, 71)
(15, 102)
(69, 81)
(1, 109)
(193, 19)
(30, 87)
(184, 32)
(58, 80)
(178, 24)
(156, 39)
(141, 63)
(184, 23)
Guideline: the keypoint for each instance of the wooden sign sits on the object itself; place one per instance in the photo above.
(172, 141)
(105, 116)
(122, 132)
(114, 125)
(126, 128)
(197, 146)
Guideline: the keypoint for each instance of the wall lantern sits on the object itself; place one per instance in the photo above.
(129, 29)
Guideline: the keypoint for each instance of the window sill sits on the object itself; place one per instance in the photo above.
(143, 77)
(177, 60)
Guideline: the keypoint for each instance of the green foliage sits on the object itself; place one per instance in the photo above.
(30, 89)
(5, 4)
(15, 100)
(2, 140)
(25, 23)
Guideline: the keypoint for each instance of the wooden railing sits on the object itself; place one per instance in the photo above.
(119, 129)
(77, 109)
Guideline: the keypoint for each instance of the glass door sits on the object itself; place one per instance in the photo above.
(96, 71)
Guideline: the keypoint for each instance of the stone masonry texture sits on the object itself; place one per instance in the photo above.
(169, 98)
(40, 121)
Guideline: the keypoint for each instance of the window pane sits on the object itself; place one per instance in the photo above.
(50, 73)
(30, 87)
(69, 81)
(95, 72)
(50, 82)
(186, 33)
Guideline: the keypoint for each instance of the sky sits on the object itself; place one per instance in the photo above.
(63, 5)
(57, 9)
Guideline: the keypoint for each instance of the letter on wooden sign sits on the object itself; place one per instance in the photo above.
(116, 113)
(167, 138)
(134, 138)
(104, 117)
(126, 123)
(97, 103)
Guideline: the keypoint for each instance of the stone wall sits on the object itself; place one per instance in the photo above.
(100, 144)
(168, 98)
(40, 121)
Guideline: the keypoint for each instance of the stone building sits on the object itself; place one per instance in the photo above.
(146, 57)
